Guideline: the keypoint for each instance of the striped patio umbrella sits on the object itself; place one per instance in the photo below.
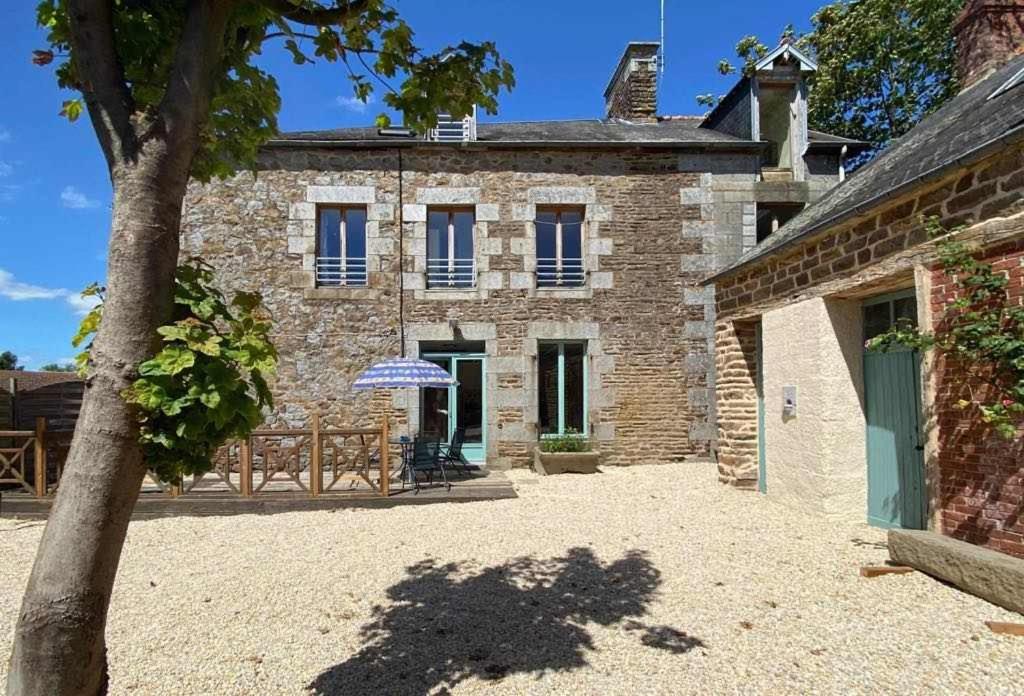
(402, 373)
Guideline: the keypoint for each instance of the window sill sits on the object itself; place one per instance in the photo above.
(341, 292)
(579, 292)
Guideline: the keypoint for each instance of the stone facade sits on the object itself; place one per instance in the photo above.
(736, 397)
(632, 94)
(656, 222)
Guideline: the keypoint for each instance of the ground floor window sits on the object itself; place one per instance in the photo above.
(562, 387)
(887, 311)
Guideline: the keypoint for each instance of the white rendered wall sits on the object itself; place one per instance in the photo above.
(816, 460)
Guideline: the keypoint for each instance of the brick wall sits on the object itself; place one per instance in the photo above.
(980, 474)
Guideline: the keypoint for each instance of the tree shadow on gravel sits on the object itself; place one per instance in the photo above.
(450, 623)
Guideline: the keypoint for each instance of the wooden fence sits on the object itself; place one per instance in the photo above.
(313, 461)
(23, 458)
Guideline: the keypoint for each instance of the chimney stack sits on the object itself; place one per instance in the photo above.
(632, 94)
(988, 34)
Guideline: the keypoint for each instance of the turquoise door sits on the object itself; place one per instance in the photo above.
(892, 396)
(463, 405)
(762, 483)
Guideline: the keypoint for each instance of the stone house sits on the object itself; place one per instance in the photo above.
(808, 416)
(553, 267)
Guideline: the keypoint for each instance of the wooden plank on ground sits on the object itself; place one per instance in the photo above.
(876, 571)
(1006, 629)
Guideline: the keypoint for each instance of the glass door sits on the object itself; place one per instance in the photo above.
(469, 405)
(460, 406)
(434, 413)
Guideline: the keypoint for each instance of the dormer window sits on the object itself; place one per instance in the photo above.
(776, 106)
(453, 129)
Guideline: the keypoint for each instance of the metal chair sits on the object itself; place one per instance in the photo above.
(452, 452)
(426, 458)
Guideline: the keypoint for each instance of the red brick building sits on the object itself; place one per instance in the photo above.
(809, 417)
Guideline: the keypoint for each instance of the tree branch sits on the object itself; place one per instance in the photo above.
(101, 78)
(190, 85)
(317, 17)
(279, 34)
(373, 73)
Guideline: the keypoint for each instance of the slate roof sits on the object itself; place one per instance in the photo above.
(966, 128)
(671, 131)
(668, 132)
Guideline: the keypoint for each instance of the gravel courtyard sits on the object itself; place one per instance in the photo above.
(649, 580)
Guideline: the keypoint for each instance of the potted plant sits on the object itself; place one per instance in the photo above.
(570, 453)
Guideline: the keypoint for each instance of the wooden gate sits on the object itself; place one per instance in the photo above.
(23, 458)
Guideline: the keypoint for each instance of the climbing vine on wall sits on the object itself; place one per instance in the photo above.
(981, 329)
(207, 383)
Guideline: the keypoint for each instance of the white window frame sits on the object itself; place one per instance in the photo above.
(343, 279)
(453, 269)
(559, 260)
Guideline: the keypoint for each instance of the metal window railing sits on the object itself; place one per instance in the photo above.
(451, 273)
(561, 273)
(337, 270)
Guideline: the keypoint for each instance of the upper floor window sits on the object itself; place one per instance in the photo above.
(450, 261)
(560, 248)
(341, 246)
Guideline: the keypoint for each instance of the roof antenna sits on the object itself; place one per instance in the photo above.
(661, 49)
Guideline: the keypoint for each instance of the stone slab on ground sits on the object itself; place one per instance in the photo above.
(985, 573)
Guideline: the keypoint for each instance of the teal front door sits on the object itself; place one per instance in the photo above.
(463, 405)
(892, 396)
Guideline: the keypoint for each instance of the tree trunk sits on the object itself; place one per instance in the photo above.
(59, 646)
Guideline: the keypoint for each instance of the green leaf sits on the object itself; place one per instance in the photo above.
(71, 109)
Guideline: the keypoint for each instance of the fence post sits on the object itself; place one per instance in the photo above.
(245, 466)
(40, 457)
(385, 460)
(315, 477)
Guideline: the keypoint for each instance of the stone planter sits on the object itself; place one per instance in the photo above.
(547, 463)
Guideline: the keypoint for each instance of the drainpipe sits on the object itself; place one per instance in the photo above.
(401, 258)
(842, 164)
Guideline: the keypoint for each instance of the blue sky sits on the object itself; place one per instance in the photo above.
(54, 190)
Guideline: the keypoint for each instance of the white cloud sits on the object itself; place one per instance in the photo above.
(354, 104)
(5, 135)
(8, 192)
(71, 197)
(15, 290)
(5, 169)
(82, 305)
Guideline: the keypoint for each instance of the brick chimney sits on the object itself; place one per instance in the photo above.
(988, 33)
(632, 93)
